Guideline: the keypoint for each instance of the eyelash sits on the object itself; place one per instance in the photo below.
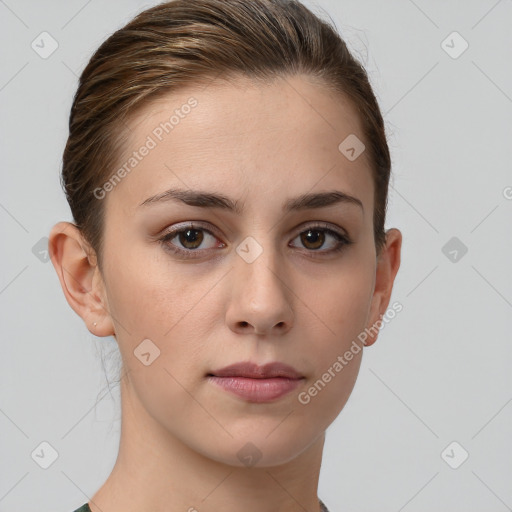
(342, 239)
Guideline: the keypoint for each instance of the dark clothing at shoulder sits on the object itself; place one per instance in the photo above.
(85, 508)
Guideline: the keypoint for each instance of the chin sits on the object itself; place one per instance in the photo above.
(268, 448)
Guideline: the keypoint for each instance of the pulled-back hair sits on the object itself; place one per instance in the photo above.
(185, 42)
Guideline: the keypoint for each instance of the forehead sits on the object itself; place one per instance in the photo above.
(227, 135)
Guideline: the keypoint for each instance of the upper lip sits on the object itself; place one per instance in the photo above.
(255, 371)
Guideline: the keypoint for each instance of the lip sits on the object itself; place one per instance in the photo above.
(254, 371)
(255, 383)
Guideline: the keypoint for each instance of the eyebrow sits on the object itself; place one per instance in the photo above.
(210, 200)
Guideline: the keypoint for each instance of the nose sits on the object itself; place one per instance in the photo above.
(260, 298)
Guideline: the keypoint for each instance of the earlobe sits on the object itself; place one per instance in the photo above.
(388, 264)
(80, 278)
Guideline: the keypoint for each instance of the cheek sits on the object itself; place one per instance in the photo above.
(344, 309)
(342, 304)
(149, 295)
(156, 302)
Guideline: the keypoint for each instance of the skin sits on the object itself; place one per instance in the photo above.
(260, 144)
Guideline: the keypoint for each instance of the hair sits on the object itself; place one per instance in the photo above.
(184, 42)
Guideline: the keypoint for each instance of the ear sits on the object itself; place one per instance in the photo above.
(80, 278)
(388, 264)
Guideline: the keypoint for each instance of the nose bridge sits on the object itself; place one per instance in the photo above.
(255, 266)
(262, 299)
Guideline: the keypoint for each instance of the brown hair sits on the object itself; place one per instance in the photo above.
(183, 42)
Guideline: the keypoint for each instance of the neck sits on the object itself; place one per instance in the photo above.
(157, 471)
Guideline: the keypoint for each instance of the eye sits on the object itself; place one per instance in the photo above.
(189, 239)
(192, 240)
(315, 237)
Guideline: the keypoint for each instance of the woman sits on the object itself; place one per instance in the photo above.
(227, 171)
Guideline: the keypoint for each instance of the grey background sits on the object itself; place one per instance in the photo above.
(440, 371)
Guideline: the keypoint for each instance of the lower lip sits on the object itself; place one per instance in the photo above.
(256, 390)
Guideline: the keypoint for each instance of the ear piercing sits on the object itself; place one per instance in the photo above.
(94, 324)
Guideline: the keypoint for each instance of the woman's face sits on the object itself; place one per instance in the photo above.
(271, 280)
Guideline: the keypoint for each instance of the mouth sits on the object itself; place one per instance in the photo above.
(255, 383)
(254, 371)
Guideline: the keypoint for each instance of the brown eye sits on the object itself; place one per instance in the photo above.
(191, 238)
(312, 238)
(322, 240)
(190, 241)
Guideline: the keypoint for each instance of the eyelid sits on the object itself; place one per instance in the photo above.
(192, 224)
(173, 231)
(176, 228)
(312, 224)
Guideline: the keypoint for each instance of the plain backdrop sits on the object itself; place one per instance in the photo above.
(428, 425)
